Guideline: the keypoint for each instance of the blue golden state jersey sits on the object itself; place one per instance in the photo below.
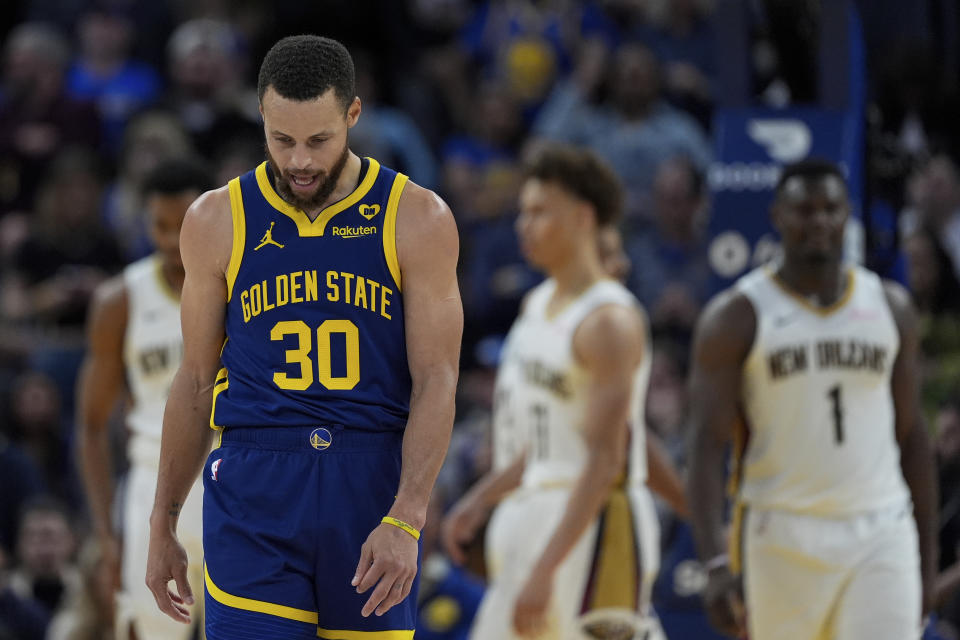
(314, 321)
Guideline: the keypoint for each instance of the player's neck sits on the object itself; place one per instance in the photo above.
(823, 283)
(346, 184)
(173, 276)
(576, 275)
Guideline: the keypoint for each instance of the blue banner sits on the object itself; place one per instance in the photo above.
(751, 147)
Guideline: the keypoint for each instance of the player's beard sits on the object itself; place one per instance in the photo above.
(326, 182)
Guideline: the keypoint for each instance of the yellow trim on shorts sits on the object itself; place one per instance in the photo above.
(316, 227)
(239, 234)
(248, 604)
(342, 634)
(390, 228)
(222, 383)
(615, 578)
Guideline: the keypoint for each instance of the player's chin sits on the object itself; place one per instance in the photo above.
(822, 255)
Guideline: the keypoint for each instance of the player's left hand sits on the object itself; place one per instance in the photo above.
(388, 559)
(530, 611)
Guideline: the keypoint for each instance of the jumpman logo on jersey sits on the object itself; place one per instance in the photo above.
(268, 238)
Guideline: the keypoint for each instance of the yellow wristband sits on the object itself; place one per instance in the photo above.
(400, 524)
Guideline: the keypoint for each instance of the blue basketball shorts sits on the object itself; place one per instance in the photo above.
(285, 512)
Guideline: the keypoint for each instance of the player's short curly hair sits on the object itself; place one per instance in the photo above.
(305, 67)
(810, 169)
(581, 173)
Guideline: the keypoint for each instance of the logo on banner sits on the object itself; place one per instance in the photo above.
(785, 140)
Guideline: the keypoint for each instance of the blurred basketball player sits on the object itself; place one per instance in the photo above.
(563, 551)
(134, 349)
(819, 361)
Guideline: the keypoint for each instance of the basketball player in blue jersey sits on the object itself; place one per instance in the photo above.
(321, 325)
(810, 367)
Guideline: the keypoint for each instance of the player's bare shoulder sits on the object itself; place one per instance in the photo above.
(108, 309)
(206, 239)
(425, 226)
(901, 305)
(727, 326)
(609, 334)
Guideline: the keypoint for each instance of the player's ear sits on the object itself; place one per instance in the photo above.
(353, 112)
(776, 213)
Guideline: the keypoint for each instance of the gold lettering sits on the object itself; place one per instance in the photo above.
(333, 291)
(256, 301)
(347, 281)
(283, 289)
(266, 297)
(295, 287)
(310, 285)
(360, 296)
(245, 305)
(374, 285)
(385, 293)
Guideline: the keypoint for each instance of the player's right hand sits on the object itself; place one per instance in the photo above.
(723, 598)
(166, 561)
(460, 526)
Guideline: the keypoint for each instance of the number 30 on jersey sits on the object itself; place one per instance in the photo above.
(301, 355)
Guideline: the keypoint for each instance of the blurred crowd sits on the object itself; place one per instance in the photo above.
(95, 93)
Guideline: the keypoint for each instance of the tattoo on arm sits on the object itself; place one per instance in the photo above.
(175, 509)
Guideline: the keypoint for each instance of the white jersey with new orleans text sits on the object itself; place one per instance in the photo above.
(817, 400)
(540, 395)
(152, 351)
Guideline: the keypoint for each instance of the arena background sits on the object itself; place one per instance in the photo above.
(696, 103)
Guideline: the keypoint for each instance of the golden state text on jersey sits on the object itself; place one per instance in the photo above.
(314, 322)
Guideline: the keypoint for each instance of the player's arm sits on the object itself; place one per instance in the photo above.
(916, 457)
(206, 240)
(471, 511)
(608, 344)
(427, 250)
(100, 386)
(722, 340)
(663, 477)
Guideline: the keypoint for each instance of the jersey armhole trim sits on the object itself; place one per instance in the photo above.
(221, 384)
(239, 234)
(390, 228)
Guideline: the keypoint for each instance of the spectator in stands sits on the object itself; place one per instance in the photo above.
(21, 480)
(670, 271)
(36, 422)
(67, 253)
(104, 73)
(149, 139)
(44, 569)
(937, 294)
(631, 126)
(680, 34)
(388, 134)
(934, 196)
(37, 118)
(529, 45)
(21, 618)
(86, 614)
(207, 94)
